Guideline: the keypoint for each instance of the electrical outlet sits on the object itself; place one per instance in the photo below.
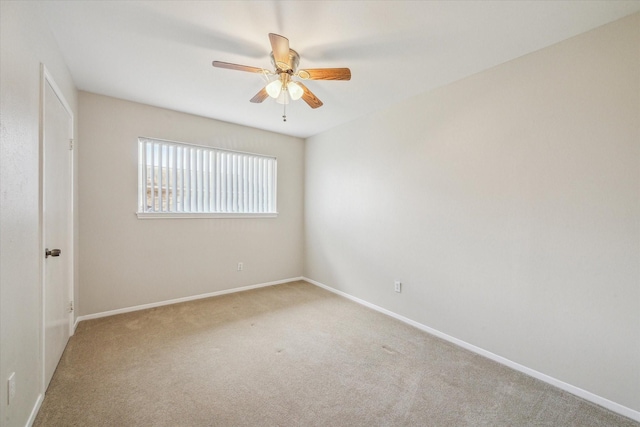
(11, 386)
(240, 266)
(397, 286)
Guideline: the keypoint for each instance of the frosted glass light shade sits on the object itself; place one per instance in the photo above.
(283, 98)
(295, 91)
(274, 88)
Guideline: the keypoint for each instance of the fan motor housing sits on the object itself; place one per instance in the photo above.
(294, 60)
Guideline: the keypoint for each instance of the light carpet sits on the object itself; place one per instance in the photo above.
(290, 355)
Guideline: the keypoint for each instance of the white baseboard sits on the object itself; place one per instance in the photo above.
(34, 411)
(178, 300)
(586, 395)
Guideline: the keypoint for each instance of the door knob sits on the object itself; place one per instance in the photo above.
(52, 252)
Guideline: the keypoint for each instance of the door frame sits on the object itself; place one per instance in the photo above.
(47, 78)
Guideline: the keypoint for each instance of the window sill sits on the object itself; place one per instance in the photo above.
(184, 215)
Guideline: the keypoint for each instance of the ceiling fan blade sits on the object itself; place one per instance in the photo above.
(325, 74)
(231, 66)
(280, 48)
(309, 97)
(260, 96)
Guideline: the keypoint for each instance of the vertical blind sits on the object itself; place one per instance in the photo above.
(182, 178)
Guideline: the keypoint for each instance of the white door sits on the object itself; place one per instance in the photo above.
(57, 128)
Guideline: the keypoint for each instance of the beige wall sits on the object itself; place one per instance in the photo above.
(125, 261)
(507, 203)
(24, 44)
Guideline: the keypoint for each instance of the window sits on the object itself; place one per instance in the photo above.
(187, 181)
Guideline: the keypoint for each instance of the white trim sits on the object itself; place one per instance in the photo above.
(35, 410)
(183, 299)
(46, 78)
(46, 75)
(586, 395)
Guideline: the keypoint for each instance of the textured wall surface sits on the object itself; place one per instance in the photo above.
(126, 261)
(25, 44)
(508, 204)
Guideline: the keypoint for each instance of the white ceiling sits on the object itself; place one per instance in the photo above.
(160, 52)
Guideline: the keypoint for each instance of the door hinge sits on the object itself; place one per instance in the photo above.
(70, 306)
(71, 144)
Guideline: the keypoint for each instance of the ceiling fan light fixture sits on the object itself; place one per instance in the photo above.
(274, 88)
(283, 98)
(285, 62)
(295, 91)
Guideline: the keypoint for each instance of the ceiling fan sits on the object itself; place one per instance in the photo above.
(285, 61)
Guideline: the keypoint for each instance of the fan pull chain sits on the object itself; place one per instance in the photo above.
(284, 112)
